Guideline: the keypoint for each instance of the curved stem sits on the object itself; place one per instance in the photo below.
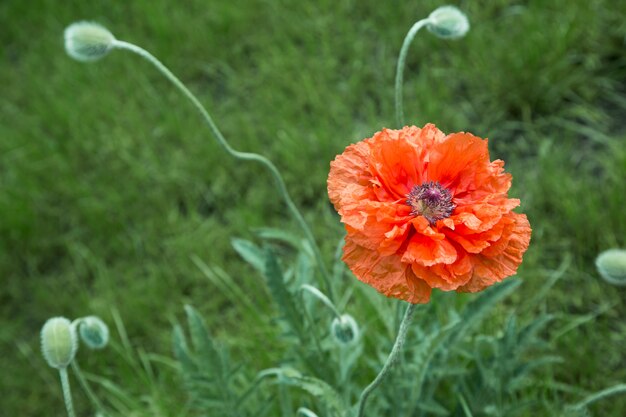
(67, 393)
(246, 156)
(400, 68)
(393, 356)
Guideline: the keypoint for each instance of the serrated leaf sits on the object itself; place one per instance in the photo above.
(202, 342)
(281, 295)
(316, 387)
(250, 252)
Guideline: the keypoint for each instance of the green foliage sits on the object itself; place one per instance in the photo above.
(285, 301)
(488, 374)
(477, 310)
(134, 386)
(317, 388)
(112, 194)
(216, 385)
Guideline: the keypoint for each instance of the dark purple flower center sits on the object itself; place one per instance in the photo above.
(430, 200)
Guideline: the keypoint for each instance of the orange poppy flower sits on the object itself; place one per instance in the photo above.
(423, 210)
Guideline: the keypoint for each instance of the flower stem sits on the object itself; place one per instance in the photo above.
(393, 356)
(400, 68)
(67, 394)
(246, 156)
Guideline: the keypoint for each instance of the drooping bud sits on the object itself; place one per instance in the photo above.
(88, 41)
(94, 332)
(448, 22)
(611, 266)
(58, 342)
(344, 329)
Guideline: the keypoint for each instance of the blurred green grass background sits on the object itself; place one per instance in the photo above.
(110, 184)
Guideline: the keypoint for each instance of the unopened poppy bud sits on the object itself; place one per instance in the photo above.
(611, 266)
(344, 329)
(88, 41)
(94, 332)
(58, 342)
(448, 22)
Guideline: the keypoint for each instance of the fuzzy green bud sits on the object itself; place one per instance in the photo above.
(344, 329)
(88, 41)
(58, 342)
(448, 22)
(93, 332)
(611, 266)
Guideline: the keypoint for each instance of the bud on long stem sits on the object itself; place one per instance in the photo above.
(446, 22)
(87, 41)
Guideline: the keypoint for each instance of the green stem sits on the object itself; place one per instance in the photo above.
(83, 382)
(67, 393)
(246, 156)
(400, 68)
(393, 356)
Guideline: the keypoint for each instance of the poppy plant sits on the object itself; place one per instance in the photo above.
(426, 210)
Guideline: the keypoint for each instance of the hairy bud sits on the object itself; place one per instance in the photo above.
(611, 266)
(88, 41)
(448, 22)
(344, 329)
(58, 342)
(93, 332)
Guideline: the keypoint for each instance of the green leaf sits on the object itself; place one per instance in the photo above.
(232, 291)
(316, 387)
(432, 407)
(280, 235)
(202, 342)
(478, 309)
(181, 350)
(424, 353)
(614, 390)
(549, 283)
(281, 295)
(304, 269)
(250, 252)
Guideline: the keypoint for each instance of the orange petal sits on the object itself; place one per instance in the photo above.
(446, 277)
(427, 252)
(491, 269)
(397, 165)
(348, 181)
(455, 161)
(386, 274)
